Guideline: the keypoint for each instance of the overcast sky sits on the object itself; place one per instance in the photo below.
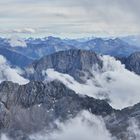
(69, 18)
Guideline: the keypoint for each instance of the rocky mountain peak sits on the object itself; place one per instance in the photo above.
(72, 62)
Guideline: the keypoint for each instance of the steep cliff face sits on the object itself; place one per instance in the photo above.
(72, 62)
(39, 47)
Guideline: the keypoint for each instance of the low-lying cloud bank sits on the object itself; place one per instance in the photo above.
(83, 127)
(10, 74)
(113, 82)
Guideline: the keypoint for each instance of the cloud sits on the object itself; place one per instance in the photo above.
(113, 82)
(25, 30)
(4, 137)
(17, 42)
(102, 17)
(10, 74)
(84, 127)
(18, 31)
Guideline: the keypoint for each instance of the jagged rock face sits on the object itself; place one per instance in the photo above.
(73, 62)
(132, 63)
(32, 107)
(113, 47)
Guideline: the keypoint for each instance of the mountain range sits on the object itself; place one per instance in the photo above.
(65, 79)
(37, 48)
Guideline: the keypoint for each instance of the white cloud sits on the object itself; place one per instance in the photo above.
(99, 17)
(83, 127)
(4, 137)
(17, 42)
(2, 60)
(24, 30)
(113, 82)
(10, 74)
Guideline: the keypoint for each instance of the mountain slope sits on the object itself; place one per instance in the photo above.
(125, 124)
(32, 107)
(132, 62)
(37, 48)
(15, 58)
(35, 106)
(85, 72)
(113, 47)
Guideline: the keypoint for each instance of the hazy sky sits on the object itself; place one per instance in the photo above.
(70, 18)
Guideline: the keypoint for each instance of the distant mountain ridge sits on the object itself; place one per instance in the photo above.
(37, 48)
(15, 58)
